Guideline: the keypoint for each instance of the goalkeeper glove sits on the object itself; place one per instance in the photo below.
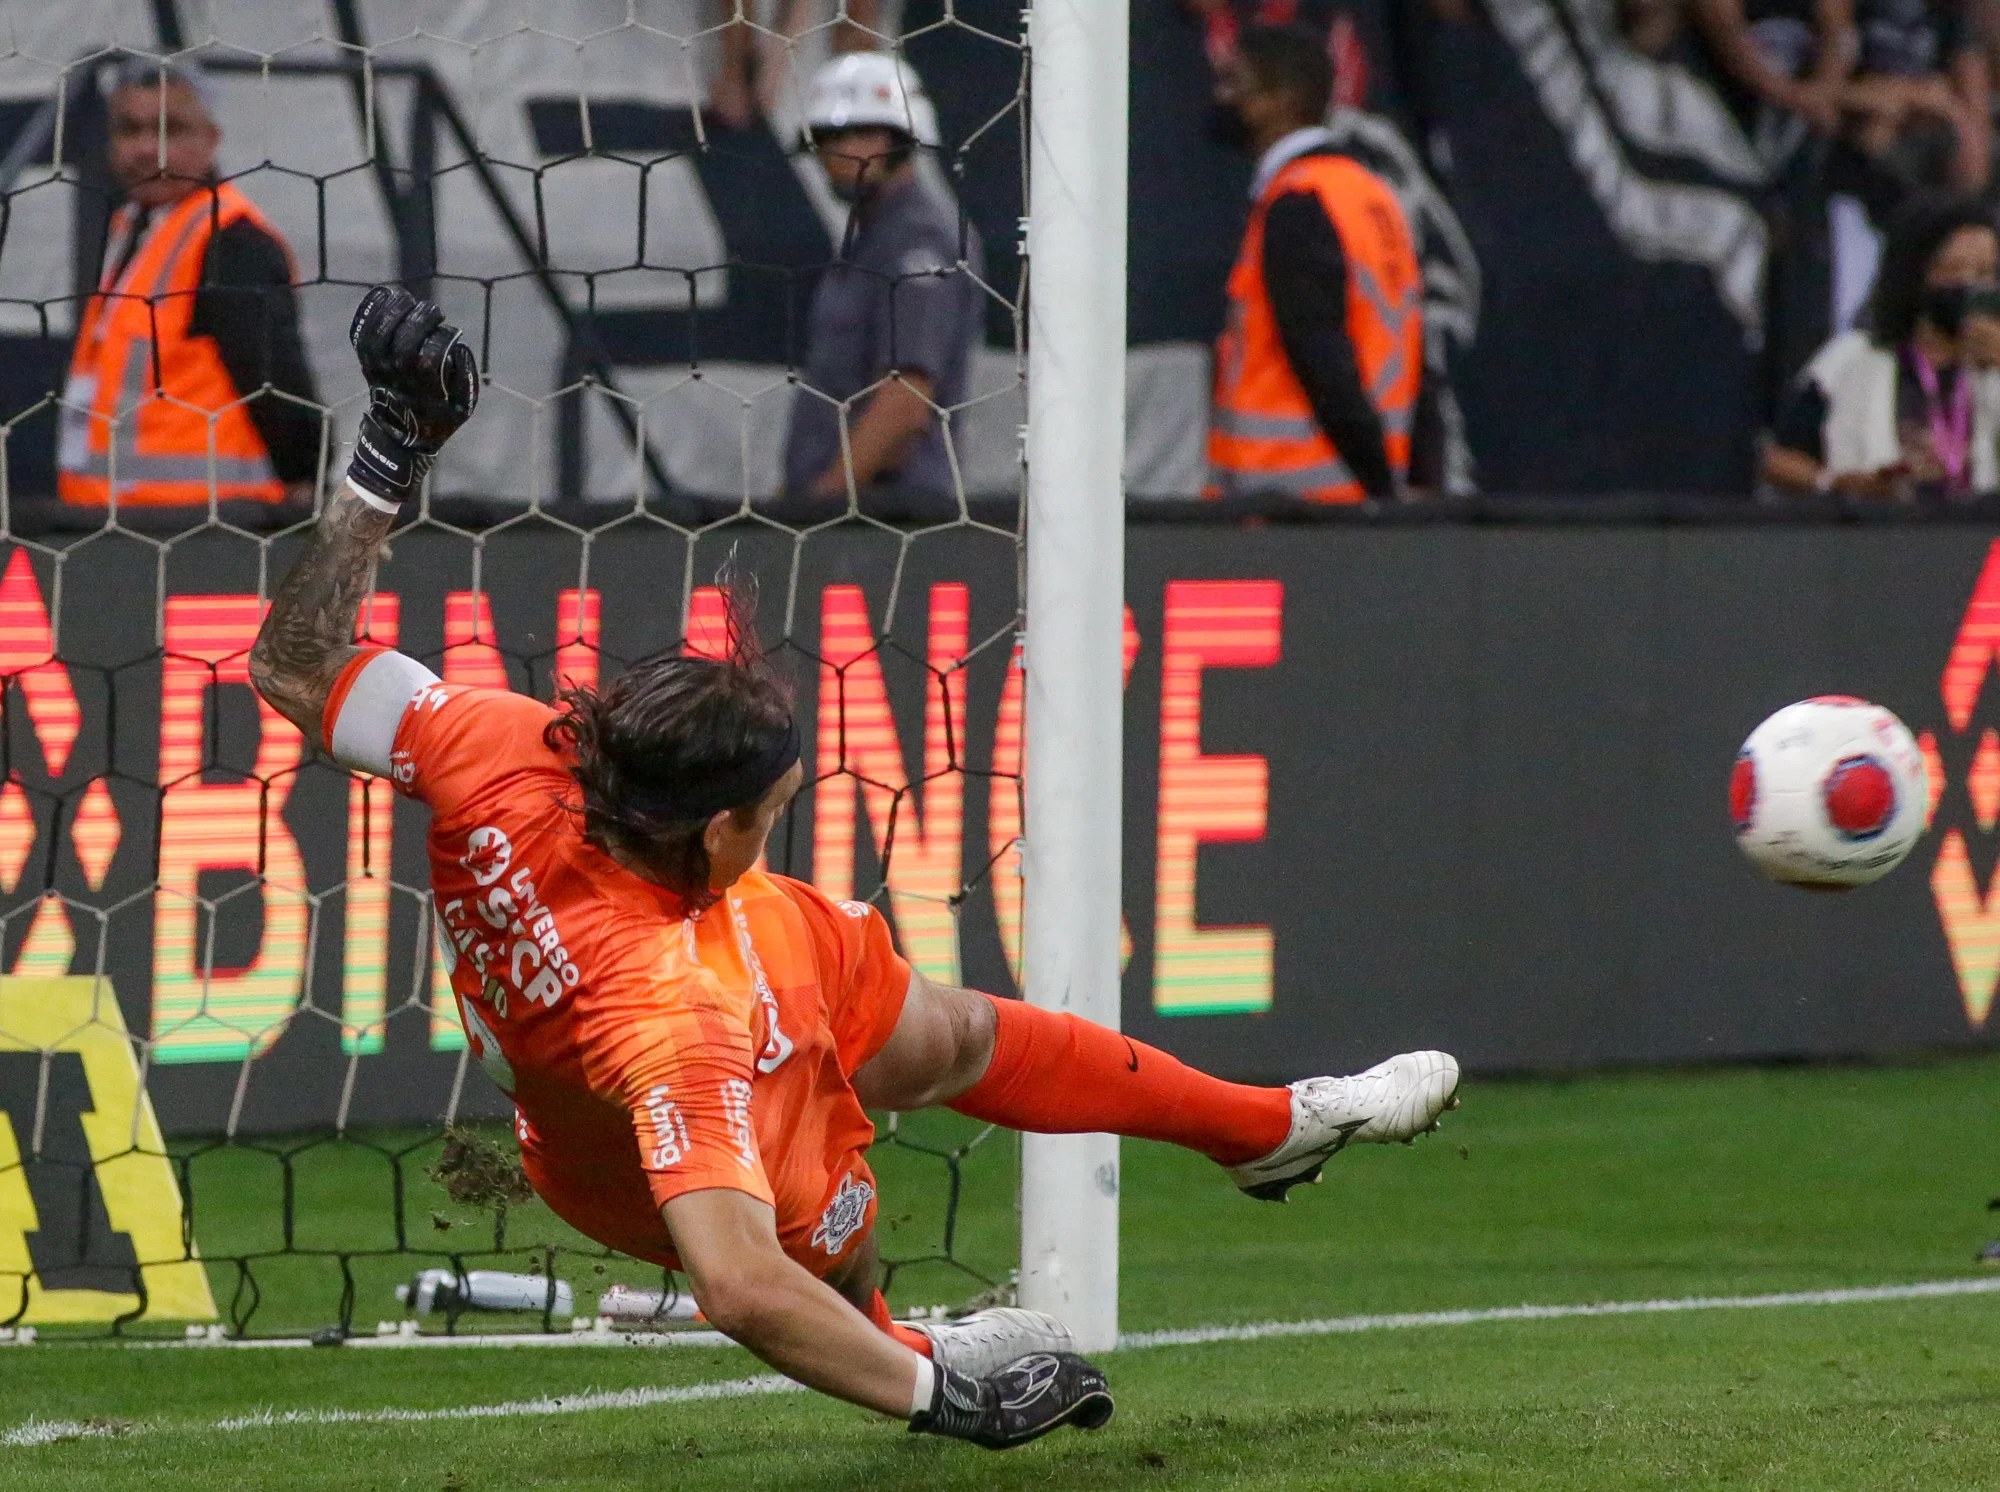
(1022, 1402)
(423, 383)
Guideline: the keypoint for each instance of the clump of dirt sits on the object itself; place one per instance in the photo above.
(475, 1172)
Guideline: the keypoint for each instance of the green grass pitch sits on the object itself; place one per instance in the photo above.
(1607, 1188)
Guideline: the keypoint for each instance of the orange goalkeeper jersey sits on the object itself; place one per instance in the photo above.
(648, 1052)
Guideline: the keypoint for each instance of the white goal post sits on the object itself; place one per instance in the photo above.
(1074, 772)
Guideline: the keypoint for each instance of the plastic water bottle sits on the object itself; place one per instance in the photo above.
(623, 1304)
(483, 1290)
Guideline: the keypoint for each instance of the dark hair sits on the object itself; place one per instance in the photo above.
(1291, 61)
(143, 73)
(661, 730)
(1920, 227)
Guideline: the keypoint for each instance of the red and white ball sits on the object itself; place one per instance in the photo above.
(1828, 793)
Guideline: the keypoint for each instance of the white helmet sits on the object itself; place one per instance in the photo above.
(865, 90)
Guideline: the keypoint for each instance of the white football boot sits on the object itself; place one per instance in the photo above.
(1394, 1100)
(988, 1340)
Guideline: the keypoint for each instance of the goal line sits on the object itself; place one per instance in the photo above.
(1190, 1336)
(36, 1432)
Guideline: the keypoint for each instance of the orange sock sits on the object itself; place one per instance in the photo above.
(878, 1312)
(1055, 1074)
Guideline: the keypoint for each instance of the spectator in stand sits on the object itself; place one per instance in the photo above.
(1782, 67)
(1911, 407)
(1320, 365)
(189, 380)
(1793, 55)
(1652, 28)
(1983, 22)
(1920, 95)
(895, 318)
(759, 42)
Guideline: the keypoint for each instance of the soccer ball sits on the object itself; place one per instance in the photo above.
(1828, 793)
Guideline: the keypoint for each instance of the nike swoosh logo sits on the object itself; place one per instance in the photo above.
(1347, 1131)
(1133, 1065)
(1343, 1133)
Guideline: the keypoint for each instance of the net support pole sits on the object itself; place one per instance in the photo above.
(1074, 772)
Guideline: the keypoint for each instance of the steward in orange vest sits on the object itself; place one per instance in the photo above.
(194, 314)
(1320, 365)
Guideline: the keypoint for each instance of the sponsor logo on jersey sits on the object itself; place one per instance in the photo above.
(777, 1045)
(667, 1140)
(844, 1215)
(539, 964)
(486, 1047)
(488, 853)
(524, 949)
(736, 1114)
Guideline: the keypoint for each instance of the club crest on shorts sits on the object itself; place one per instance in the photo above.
(844, 1215)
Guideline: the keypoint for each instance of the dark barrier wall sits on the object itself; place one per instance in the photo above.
(1458, 786)
(1497, 824)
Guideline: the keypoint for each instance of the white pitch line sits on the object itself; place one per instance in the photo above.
(617, 1398)
(49, 1432)
(693, 1337)
(52, 1431)
(1194, 1336)
(44, 1432)
(1190, 1336)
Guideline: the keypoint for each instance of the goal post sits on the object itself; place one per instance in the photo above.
(260, 939)
(1073, 774)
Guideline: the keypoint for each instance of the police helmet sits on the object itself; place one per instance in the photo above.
(871, 90)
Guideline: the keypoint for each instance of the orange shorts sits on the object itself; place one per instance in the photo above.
(812, 1134)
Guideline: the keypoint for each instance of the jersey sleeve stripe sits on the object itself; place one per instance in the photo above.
(366, 706)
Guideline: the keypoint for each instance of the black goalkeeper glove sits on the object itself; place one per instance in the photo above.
(1022, 1402)
(423, 383)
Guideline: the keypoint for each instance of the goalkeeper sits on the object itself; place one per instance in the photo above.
(691, 1043)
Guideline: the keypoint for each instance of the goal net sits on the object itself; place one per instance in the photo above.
(234, 1095)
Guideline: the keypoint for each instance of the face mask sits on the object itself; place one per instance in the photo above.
(1225, 126)
(869, 180)
(1945, 307)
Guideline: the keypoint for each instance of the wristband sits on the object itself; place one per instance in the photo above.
(958, 1406)
(926, 1389)
(379, 504)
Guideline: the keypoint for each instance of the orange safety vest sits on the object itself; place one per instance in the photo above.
(1262, 436)
(149, 407)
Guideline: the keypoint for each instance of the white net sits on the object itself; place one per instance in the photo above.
(226, 1072)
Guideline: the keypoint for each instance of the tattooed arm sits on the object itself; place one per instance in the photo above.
(308, 635)
(422, 385)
